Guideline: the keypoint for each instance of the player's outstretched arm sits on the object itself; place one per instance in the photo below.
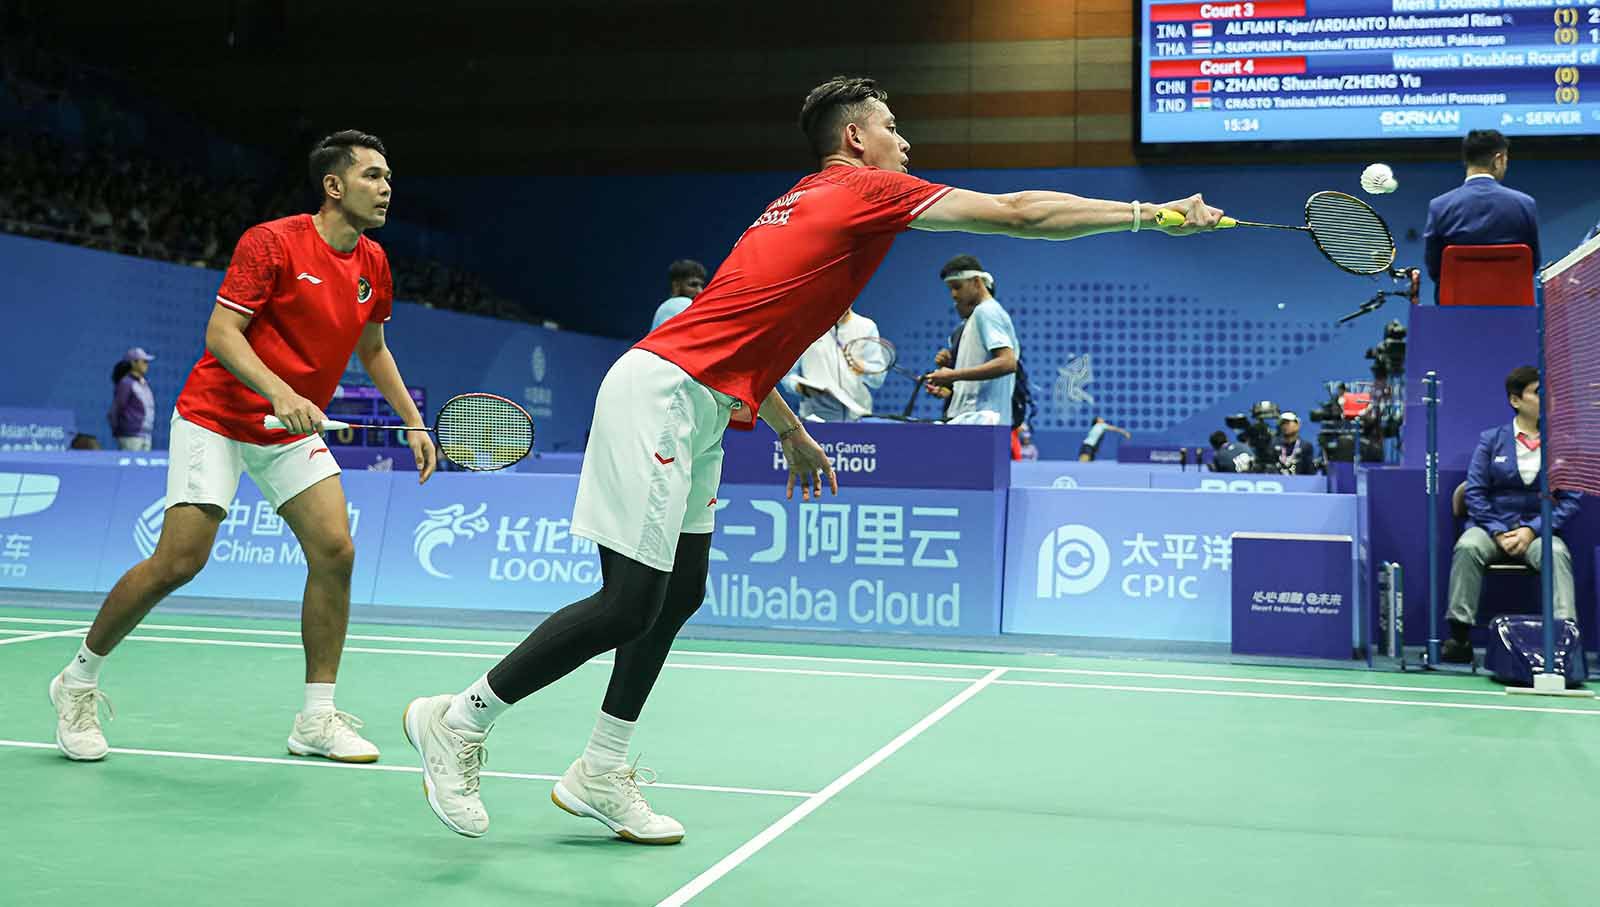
(225, 340)
(1057, 215)
(385, 374)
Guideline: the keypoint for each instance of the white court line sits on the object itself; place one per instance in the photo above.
(75, 631)
(1296, 697)
(832, 659)
(749, 848)
(409, 769)
(600, 662)
(1242, 694)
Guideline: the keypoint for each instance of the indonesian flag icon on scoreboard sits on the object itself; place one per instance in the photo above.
(1202, 29)
(1201, 86)
(1202, 103)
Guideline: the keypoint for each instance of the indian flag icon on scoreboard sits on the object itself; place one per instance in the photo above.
(1202, 103)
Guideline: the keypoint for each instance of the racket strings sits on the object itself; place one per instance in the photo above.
(870, 355)
(1350, 233)
(484, 432)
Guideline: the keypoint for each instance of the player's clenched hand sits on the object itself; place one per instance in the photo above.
(808, 464)
(944, 359)
(940, 377)
(1197, 216)
(427, 455)
(299, 415)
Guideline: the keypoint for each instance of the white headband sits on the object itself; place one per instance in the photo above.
(988, 279)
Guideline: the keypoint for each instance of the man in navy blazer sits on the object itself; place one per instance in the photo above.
(1503, 514)
(1481, 211)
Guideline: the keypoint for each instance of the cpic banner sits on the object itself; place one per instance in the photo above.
(1141, 564)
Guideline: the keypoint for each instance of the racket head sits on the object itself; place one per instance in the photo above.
(483, 432)
(1350, 233)
(870, 355)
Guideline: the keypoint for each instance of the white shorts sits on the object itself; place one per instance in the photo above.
(203, 467)
(653, 462)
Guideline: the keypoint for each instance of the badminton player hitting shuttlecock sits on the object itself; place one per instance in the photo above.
(1378, 179)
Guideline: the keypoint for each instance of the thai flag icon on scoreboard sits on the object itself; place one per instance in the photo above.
(1202, 103)
(1201, 86)
(1202, 29)
(1200, 47)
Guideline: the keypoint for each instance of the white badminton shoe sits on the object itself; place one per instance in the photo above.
(451, 762)
(613, 798)
(78, 732)
(331, 735)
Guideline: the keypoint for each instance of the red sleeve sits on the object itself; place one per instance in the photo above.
(890, 200)
(257, 261)
(383, 305)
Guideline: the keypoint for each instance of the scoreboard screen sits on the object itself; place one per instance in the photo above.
(1314, 70)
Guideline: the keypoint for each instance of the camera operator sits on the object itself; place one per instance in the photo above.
(1296, 456)
(1230, 456)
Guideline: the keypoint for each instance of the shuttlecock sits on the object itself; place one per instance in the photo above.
(1378, 179)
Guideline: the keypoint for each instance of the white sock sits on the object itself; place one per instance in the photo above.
(608, 745)
(84, 669)
(476, 708)
(319, 698)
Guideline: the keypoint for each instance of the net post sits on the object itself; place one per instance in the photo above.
(1546, 513)
(1430, 385)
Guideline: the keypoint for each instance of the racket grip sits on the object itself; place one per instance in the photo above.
(1167, 217)
(327, 424)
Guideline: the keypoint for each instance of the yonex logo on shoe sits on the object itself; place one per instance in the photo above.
(477, 702)
(82, 660)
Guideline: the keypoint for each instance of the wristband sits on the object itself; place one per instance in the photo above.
(1138, 216)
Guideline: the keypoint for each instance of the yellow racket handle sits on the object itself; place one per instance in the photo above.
(1167, 217)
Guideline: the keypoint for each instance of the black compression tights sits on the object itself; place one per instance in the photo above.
(638, 611)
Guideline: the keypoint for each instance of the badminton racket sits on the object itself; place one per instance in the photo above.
(1344, 227)
(874, 356)
(480, 432)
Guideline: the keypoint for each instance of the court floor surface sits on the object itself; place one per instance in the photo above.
(804, 774)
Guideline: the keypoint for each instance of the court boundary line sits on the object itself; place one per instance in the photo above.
(814, 802)
(830, 659)
(1295, 697)
(312, 762)
(54, 634)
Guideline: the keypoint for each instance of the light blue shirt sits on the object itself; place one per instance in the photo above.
(988, 329)
(671, 307)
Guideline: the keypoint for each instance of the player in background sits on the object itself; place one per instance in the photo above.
(647, 493)
(301, 294)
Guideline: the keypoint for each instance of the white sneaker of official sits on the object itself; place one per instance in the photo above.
(78, 733)
(331, 735)
(613, 798)
(451, 763)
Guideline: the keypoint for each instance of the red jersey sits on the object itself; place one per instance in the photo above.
(791, 275)
(308, 304)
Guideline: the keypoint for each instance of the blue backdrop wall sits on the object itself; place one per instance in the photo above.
(1163, 336)
(1177, 333)
(71, 313)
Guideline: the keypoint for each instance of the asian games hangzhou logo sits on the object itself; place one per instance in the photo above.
(363, 290)
(1073, 560)
(443, 526)
(1072, 380)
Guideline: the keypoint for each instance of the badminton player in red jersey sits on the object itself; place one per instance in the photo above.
(650, 473)
(300, 295)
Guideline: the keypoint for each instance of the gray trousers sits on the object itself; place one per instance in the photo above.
(1477, 549)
